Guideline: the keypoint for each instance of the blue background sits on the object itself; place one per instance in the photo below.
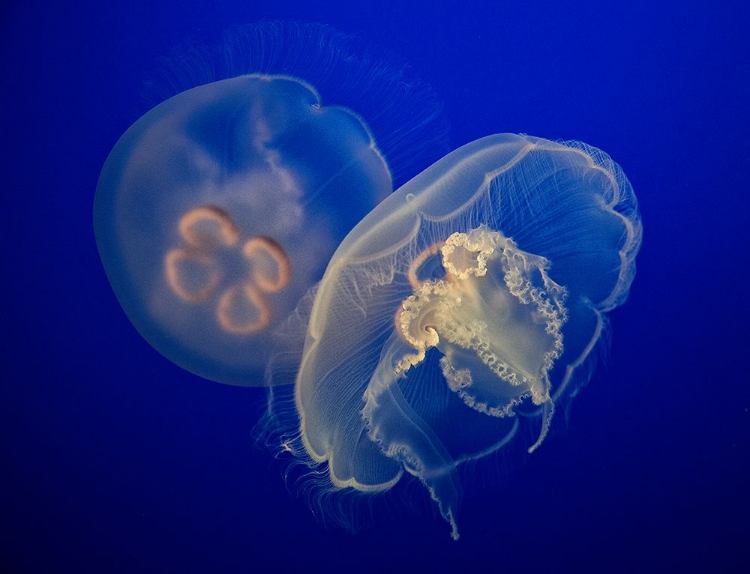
(115, 460)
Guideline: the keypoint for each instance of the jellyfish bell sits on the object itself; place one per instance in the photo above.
(220, 207)
(478, 288)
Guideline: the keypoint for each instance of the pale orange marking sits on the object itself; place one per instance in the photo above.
(254, 296)
(419, 260)
(265, 245)
(171, 265)
(228, 232)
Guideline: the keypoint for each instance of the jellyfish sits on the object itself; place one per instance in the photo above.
(464, 307)
(220, 207)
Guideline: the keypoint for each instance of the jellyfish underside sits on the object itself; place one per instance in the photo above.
(478, 287)
(220, 208)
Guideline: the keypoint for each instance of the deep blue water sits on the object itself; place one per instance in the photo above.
(115, 460)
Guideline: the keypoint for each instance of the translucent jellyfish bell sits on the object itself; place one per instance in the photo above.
(219, 208)
(476, 289)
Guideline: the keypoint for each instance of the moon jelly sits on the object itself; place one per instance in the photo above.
(473, 294)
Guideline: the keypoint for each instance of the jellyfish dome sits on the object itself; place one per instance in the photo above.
(473, 294)
(219, 208)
